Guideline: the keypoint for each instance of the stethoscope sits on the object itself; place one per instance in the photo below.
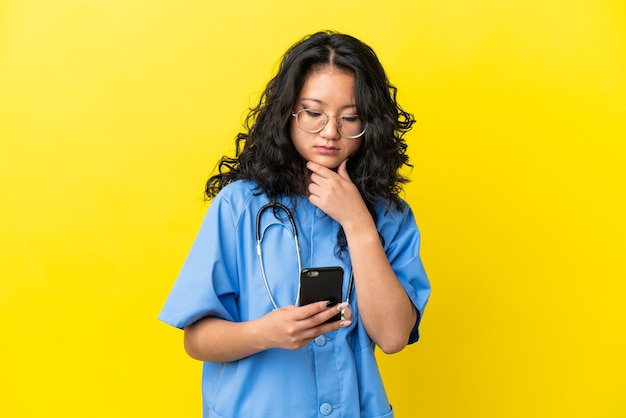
(294, 229)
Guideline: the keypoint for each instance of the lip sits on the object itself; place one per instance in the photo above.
(324, 150)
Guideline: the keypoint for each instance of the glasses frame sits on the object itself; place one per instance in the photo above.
(295, 115)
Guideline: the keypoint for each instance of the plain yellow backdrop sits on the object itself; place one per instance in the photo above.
(113, 114)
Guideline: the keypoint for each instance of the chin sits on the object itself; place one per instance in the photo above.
(331, 163)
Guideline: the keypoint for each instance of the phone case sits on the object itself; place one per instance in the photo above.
(321, 283)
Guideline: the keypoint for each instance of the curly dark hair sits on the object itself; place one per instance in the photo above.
(266, 155)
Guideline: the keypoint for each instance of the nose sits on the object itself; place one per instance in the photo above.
(331, 129)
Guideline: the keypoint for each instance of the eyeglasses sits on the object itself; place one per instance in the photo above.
(313, 121)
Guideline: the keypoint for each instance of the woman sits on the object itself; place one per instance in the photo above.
(326, 141)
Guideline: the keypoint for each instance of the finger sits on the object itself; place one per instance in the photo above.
(329, 311)
(342, 170)
(319, 169)
(312, 309)
(327, 316)
(316, 178)
(312, 166)
(314, 190)
(332, 326)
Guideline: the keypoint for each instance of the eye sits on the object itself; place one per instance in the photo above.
(350, 118)
(312, 113)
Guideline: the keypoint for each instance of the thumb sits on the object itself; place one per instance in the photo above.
(342, 170)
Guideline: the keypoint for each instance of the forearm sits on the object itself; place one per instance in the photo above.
(218, 340)
(385, 309)
(290, 327)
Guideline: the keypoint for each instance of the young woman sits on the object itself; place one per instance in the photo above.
(326, 142)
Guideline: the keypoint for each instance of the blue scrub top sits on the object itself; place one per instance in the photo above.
(336, 375)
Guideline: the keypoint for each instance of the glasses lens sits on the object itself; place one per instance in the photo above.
(311, 120)
(350, 126)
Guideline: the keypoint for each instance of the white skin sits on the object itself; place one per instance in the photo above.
(386, 311)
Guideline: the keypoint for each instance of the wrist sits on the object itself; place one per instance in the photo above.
(256, 335)
(362, 228)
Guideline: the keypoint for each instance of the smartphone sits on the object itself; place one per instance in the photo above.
(321, 283)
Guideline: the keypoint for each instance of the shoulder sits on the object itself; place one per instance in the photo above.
(237, 193)
(394, 221)
(233, 200)
(239, 187)
(390, 212)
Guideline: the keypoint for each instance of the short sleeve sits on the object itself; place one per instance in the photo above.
(207, 283)
(402, 245)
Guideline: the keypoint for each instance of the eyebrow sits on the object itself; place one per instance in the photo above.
(322, 102)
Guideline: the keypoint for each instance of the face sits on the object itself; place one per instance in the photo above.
(331, 91)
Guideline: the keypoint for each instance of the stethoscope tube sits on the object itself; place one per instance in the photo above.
(259, 251)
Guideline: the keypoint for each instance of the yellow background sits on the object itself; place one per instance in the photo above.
(113, 114)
